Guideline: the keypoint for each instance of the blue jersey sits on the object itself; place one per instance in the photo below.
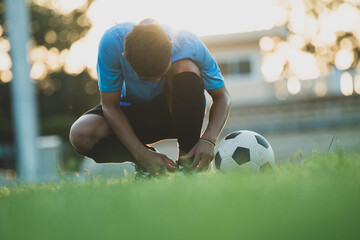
(115, 74)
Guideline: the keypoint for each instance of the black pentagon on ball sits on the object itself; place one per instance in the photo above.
(217, 160)
(241, 155)
(232, 135)
(262, 141)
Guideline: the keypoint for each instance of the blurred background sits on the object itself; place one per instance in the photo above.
(291, 66)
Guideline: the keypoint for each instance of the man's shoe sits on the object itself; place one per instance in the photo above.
(184, 165)
(140, 171)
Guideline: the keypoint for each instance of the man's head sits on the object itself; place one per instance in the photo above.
(147, 48)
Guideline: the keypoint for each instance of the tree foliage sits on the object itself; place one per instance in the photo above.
(322, 35)
(61, 97)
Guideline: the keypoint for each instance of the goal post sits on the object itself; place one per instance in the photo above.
(17, 19)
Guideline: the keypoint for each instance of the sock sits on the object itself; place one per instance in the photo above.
(188, 106)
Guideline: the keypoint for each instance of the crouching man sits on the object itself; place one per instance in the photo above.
(152, 83)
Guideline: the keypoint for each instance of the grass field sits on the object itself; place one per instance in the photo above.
(318, 198)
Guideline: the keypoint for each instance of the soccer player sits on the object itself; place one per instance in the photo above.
(152, 82)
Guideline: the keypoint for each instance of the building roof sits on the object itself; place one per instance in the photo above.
(242, 38)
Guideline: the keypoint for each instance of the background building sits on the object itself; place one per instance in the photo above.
(295, 115)
(298, 117)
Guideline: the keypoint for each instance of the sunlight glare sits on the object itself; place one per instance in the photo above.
(247, 14)
(105, 13)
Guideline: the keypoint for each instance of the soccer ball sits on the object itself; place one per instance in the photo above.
(244, 150)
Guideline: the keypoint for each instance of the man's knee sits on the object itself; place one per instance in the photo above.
(78, 138)
(87, 131)
(184, 65)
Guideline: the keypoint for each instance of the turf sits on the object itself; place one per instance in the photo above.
(318, 198)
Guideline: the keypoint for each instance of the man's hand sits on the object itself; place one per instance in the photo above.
(157, 163)
(202, 154)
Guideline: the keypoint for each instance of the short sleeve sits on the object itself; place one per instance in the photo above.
(108, 67)
(210, 71)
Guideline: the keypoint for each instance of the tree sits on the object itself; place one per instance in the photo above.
(61, 96)
(323, 36)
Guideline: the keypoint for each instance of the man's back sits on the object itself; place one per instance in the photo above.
(115, 73)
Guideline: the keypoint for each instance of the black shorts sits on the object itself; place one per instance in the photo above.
(150, 121)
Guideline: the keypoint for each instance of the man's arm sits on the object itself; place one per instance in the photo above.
(203, 151)
(219, 113)
(152, 161)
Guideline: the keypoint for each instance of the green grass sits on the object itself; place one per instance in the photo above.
(316, 199)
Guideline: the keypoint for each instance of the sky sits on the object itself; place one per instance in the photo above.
(204, 17)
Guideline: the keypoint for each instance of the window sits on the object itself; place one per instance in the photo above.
(244, 67)
(237, 67)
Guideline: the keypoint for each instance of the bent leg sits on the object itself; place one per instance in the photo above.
(91, 136)
(87, 131)
(187, 105)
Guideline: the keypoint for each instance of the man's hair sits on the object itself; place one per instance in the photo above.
(147, 48)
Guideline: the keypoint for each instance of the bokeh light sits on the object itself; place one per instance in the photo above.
(74, 63)
(296, 41)
(320, 88)
(4, 45)
(6, 76)
(293, 85)
(266, 44)
(51, 36)
(346, 84)
(321, 35)
(62, 6)
(357, 83)
(38, 71)
(303, 65)
(272, 66)
(5, 62)
(344, 59)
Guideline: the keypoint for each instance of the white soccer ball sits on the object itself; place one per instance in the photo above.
(244, 150)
